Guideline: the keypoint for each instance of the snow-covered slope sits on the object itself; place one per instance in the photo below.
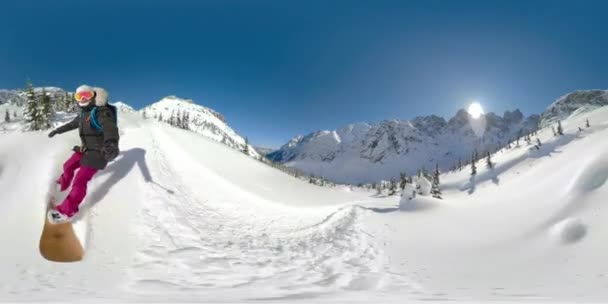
(180, 217)
(202, 120)
(371, 152)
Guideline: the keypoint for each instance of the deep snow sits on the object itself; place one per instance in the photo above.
(180, 217)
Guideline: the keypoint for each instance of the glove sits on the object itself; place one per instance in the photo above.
(53, 133)
(109, 150)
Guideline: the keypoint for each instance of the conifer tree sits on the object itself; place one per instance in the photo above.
(178, 119)
(7, 116)
(392, 189)
(473, 167)
(560, 130)
(553, 129)
(587, 123)
(402, 180)
(246, 148)
(160, 117)
(32, 116)
(459, 164)
(144, 115)
(435, 191)
(489, 163)
(46, 108)
(172, 118)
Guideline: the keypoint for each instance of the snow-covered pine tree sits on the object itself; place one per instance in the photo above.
(473, 167)
(489, 163)
(402, 180)
(178, 119)
(560, 130)
(187, 120)
(246, 148)
(172, 118)
(31, 108)
(65, 102)
(7, 116)
(587, 123)
(160, 117)
(46, 110)
(459, 164)
(392, 188)
(435, 191)
(144, 115)
(15, 114)
(379, 188)
(580, 129)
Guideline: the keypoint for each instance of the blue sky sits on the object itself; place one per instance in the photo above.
(276, 69)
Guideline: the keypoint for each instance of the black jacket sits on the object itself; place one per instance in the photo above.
(93, 140)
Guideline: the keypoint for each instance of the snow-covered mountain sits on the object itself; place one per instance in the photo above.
(574, 103)
(202, 120)
(365, 152)
(123, 107)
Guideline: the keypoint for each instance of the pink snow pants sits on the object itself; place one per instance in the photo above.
(69, 206)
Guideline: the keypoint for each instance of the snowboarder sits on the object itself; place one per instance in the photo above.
(98, 130)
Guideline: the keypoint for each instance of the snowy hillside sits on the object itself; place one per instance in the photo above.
(202, 120)
(573, 103)
(371, 152)
(180, 218)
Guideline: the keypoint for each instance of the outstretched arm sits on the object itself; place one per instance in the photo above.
(72, 125)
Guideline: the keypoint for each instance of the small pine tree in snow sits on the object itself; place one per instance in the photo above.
(246, 148)
(459, 164)
(580, 129)
(178, 119)
(33, 113)
(587, 123)
(489, 163)
(144, 115)
(160, 117)
(172, 118)
(473, 167)
(392, 188)
(46, 109)
(379, 188)
(402, 180)
(15, 114)
(7, 116)
(435, 191)
(560, 130)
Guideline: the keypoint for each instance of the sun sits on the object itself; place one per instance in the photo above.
(475, 110)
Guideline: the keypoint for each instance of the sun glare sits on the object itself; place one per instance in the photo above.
(475, 110)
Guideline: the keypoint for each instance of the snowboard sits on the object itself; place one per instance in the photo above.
(59, 242)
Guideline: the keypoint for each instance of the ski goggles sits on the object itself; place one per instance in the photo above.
(84, 96)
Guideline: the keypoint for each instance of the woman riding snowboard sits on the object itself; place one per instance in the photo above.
(98, 131)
